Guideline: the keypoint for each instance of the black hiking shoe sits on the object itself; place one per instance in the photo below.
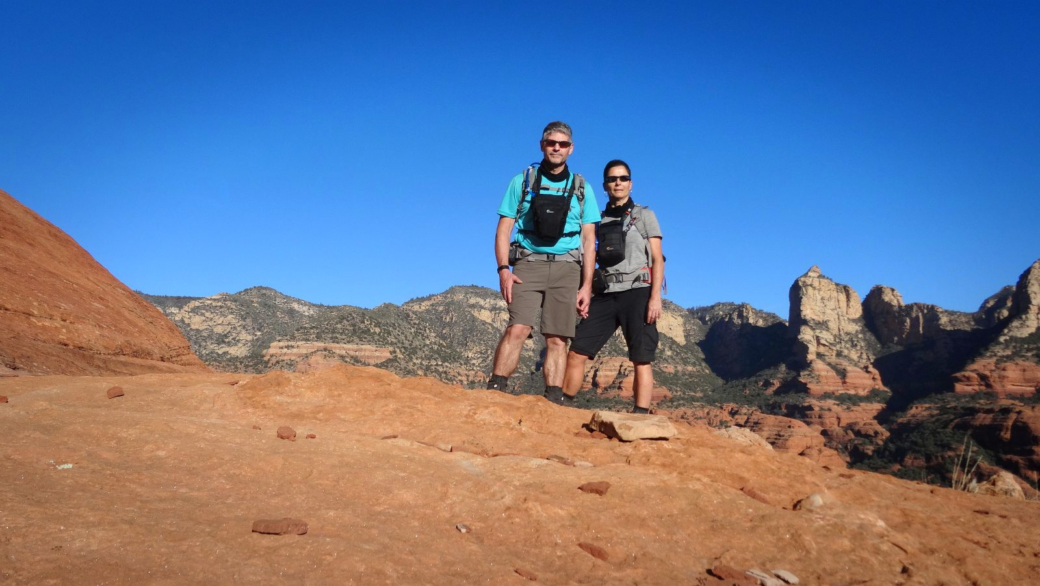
(497, 382)
(557, 396)
(641, 410)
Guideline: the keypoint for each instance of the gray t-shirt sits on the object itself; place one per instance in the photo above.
(635, 269)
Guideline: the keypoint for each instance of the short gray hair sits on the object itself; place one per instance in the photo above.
(557, 126)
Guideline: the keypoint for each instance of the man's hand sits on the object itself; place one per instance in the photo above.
(653, 309)
(506, 278)
(584, 297)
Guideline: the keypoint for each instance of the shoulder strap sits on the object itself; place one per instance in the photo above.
(532, 180)
(579, 190)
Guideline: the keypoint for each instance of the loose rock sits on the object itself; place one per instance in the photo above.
(813, 501)
(1002, 484)
(786, 576)
(463, 528)
(287, 433)
(391, 436)
(594, 550)
(599, 487)
(3, 399)
(257, 427)
(526, 574)
(764, 578)
(629, 427)
(286, 526)
(733, 575)
(311, 436)
(115, 392)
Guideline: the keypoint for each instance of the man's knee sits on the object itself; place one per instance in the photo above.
(518, 332)
(555, 343)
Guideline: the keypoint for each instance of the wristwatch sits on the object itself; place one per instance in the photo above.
(506, 267)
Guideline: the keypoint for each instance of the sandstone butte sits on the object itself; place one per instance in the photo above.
(61, 312)
(165, 485)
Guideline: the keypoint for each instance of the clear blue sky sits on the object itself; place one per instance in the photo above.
(356, 154)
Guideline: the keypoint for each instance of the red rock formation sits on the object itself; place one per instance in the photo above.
(1011, 364)
(1004, 379)
(832, 347)
(62, 313)
(1012, 431)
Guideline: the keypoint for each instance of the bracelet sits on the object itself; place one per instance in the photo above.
(506, 267)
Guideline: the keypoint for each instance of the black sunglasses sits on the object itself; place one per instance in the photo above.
(621, 178)
(564, 144)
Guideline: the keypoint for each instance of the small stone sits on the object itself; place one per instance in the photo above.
(786, 576)
(599, 487)
(628, 427)
(594, 550)
(813, 501)
(599, 435)
(733, 575)
(561, 459)
(233, 383)
(526, 574)
(391, 436)
(463, 528)
(311, 436)
(3, 399)
(287, 433)
(257, 427)
(284, 526)
(764, 579)
(755, 495)
(115, 392)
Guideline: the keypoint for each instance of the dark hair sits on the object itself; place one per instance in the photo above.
(616, 163)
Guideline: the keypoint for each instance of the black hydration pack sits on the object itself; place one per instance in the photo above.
(550, 211)
(610, 237)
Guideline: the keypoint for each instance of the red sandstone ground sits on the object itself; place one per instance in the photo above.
(166, 481)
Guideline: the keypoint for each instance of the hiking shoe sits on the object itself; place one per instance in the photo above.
(557, 396)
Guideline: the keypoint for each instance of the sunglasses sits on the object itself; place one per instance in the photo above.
(564, 144)
(621, 178)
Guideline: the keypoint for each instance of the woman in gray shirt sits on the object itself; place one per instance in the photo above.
(632, 264)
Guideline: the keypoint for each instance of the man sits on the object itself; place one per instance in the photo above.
(550, 257)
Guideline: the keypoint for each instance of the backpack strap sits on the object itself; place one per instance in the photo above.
(532, 182)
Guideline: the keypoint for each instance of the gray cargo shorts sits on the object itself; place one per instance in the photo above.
(551, 286)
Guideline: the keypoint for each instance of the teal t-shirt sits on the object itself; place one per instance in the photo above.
(526, 222)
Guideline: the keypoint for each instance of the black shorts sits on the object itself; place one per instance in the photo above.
(610, 310)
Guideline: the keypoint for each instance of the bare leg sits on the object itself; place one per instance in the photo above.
(644, 384)
(507, 355)
(575, 373)
(555, 360)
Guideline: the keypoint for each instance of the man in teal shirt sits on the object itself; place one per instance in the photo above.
(550, 260)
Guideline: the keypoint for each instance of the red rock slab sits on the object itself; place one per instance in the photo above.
(527, 574)
(285, 526)
(3, 399)
(732, 575)
(594, 550)
(599, 487)
(115, 392)
(287, 433)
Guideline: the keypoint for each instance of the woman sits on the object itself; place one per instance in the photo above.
(632, 264)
